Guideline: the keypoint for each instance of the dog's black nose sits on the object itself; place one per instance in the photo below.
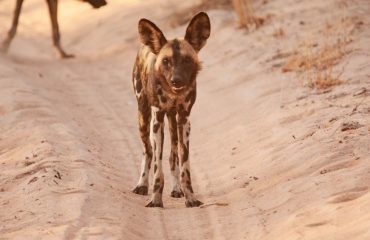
(177, 82)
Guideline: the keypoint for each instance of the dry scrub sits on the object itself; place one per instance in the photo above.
(316, 63)
(184, 15)
(243, 8)
(317, 56)
(246, 15)
(278, 33)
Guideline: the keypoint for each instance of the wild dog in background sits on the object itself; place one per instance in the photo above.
(53, 10)
(164, 79)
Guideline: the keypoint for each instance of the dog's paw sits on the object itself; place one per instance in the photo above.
(155, 204)
(193, 203)
(141, 190)
(66, 55)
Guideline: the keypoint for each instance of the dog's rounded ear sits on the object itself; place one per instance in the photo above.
(198, 31)
(151, 35)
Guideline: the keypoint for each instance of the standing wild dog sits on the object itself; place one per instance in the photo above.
(164, 79)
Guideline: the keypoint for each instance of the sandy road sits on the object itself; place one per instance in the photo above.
(95, 109)
(102, 122)
(70, 149)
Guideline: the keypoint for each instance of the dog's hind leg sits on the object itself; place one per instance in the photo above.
(53, 10)
(17, 11)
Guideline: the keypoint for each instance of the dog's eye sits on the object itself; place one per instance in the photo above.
(166, 61)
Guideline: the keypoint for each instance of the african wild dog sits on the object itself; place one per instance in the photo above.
(164, 79)
(53, 10)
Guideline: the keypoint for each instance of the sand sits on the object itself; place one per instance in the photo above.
(270, 157)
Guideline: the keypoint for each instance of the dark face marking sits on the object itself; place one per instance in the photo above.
(180, 68)
(176, 51)
(185, 68)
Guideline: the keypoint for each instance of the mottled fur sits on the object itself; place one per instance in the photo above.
(164, 80)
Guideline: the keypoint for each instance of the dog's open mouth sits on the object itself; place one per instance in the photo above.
(177, 89)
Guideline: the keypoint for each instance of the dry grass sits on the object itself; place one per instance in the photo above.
(183, 16)
(246, 15)
(315, 60)
(243, 8)
(278, 33)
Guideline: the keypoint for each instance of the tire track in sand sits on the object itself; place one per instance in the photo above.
(110, 209)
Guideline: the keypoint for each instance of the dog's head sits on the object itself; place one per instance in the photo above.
(96, 3)
(177, 61)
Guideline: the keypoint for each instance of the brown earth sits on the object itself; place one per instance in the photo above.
(271, 158)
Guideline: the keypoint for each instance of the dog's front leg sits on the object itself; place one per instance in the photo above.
(183, 130)
(156, 139)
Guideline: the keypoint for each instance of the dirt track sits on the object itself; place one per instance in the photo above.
(267, 159)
